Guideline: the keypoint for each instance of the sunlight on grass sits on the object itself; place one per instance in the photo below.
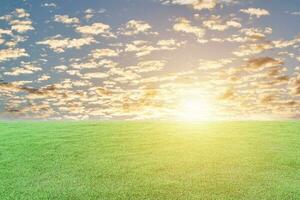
(149, 160)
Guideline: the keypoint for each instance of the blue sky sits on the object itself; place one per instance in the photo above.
(149, 59)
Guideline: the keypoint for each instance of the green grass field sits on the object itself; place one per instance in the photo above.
(149, 160)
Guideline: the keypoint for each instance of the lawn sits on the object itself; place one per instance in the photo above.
(150, 160)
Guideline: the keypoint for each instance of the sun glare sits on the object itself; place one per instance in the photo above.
(195, 109)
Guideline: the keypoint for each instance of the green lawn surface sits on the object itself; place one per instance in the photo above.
(150, 160)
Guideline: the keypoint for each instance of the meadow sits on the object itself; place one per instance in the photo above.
(150, 160)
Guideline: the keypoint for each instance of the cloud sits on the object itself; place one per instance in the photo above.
(100, 53)
(5, 32)
(95, 75)
(295, 13)
(170, 44)
(10, 54)
(257, 12)
(59, 44)
(215, 23)
(27, 68)
(21, 83)
(184, 25)
(44, 77)
(262, 63)
(256, 33)
(287, 43)
(101, 91)
(124, 76)
(255, 48)
(21, 13)
(47, 91)
(19, 20)
(213, 64)
(140, 47)
(53, 5)
(143, 48)
(252, 49)
(267, 99)
(148, 66)
(195, 4)
(96, 29)
(61, 68)
(294, 84)
(21, 26)
(89, 13)
(74, 73)
(228, 94)
(14, 40)
(65, 19)
(134, 27)
(93, 64)
(4, 86)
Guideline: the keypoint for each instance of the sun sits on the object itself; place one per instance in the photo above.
(194, 108)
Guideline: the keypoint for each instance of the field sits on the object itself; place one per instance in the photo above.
(150, 160)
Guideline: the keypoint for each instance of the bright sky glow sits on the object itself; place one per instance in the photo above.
(195, 110)
(149, 59)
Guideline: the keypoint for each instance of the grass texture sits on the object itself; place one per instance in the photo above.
(150, 160)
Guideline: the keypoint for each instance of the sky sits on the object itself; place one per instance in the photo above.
(150, 59)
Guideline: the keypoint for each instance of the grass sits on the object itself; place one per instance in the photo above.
(149, 160)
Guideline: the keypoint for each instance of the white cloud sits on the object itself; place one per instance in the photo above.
(95, 75)
(19, 20)
(65, 19)
(184, 25)
(170, 44)
(49, 5)
(21, 13)
(93, 64)
(252, 49)
(134, 27)
(213, 64)
(100, 53)
(61, 68)
(256, 33)
(96, 29)
(195, 4)
(59, 44)
(258, 12)
(215, 23)
(89, 13)
(148, 66)
(44, 77)
(27, 68)
(5, 32)
(21, 26)
(287, 43)
(262, 63)
(294, 84)
(9, 54)
(295, 13)
(142, 47)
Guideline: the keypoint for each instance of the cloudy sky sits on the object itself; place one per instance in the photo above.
(142, 59)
